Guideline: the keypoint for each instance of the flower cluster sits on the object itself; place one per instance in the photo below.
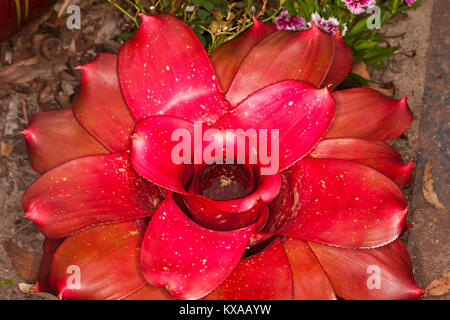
(358, 6)
(287, 22)
(330, 25)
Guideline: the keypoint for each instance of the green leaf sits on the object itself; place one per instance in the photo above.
(375, 56)
(6, 281)
(126, 35)
(241, 4)
(208, 5)
(202, 14)
(359, 28)
(395, 36)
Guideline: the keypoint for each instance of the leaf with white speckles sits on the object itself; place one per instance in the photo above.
(153, 145)
(187, 259)
(301, 113)
(283, 55)
(375, 154)
(88, 191)
(163, 69)
(263, 276)
(100, 263)
(344, 203)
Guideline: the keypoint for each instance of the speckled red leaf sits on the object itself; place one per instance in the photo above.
(257, 236)
(341, 65)
(49, 248)
(163, 69)
(285, 207)
(366, 113)
(54, 137)
(305, 56)
(309, 279)
(263, 276)
(375, 154)
(228, 57)
(187, 259)
(100, 263)
(301, 113)
(88, 191)
(383, 273)
(152, 148)
(99, 105)
(347, 204)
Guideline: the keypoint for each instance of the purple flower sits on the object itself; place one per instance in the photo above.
(359, 6)
(330, 25)
(287, 22)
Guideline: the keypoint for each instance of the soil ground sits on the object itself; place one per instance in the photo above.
(45, 53)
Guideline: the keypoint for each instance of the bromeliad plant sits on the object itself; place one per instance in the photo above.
(112, 202)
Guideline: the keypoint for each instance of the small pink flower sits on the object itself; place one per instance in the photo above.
(330, 25)
(410, 2)
(359, 6)
(287, 22)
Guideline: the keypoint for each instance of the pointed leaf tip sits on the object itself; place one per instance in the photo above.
(383, 273)
(369, 212)
(366, 113)
(171, 76)
(305, 56)
(86, 192)
(48, 129)
(375, 154)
